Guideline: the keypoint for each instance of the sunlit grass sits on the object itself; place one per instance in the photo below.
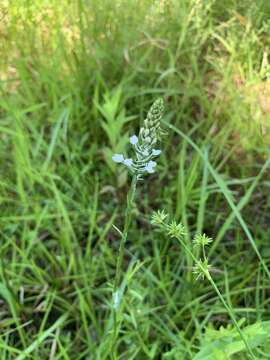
(62, 65)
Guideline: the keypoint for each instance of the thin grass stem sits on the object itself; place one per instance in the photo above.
(117, 291)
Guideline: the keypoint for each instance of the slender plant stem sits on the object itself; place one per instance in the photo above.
(117, 281)
(130, 199)
(227, 307)
(230, 311)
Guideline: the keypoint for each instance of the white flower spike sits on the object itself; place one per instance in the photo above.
(143, 144)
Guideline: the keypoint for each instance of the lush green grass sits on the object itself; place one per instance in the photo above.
(77, 78)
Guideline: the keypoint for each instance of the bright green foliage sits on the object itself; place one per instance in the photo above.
(224, 343)
(77, 79)
(113, 122)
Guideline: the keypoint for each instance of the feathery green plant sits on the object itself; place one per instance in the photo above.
(202, 268)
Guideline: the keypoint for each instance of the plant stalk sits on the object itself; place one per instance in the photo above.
(117, 281)
(227, 307)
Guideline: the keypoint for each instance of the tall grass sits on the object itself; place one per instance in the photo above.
(75, 77)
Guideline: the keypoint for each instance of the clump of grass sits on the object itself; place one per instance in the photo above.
(71, 74)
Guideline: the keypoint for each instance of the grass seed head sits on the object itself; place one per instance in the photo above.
(201, 240)
(201, 269)
(176, 230)
(158, 217)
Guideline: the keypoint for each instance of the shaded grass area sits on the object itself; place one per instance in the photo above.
(77, 78)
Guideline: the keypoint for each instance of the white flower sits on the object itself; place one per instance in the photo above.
(118, 158)
(133, 139)
(128, 162)
(150, 167)
(152, 163)
(156, 152)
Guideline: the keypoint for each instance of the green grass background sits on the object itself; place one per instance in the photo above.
(77, 78)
